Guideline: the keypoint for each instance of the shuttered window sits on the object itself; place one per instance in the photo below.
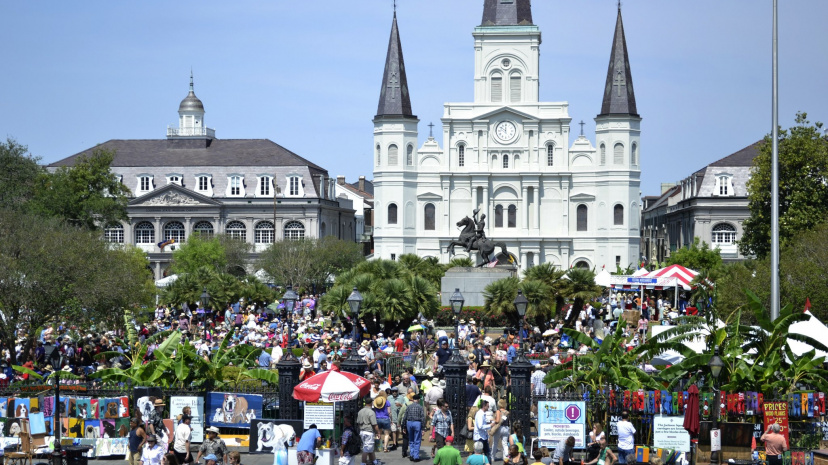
(618, 215)
(393, 155)
(429, 217)
(499, 216)
(514, 88)
(603, 154)
(582, 217)
(618, 154)
(497, 88)
(512, 220)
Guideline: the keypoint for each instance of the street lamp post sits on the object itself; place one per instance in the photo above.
(354, 363)
(455, 369)
(289, 299)
(288, 368)
(205, 299)
(56, 359)
(521, 371)
(716, 364)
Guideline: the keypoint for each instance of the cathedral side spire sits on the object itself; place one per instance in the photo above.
(507, 13)
(619, 96)
(394, 98)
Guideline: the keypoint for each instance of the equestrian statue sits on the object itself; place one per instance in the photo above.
(473, 237)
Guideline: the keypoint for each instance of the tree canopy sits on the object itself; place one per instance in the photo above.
(220, 253)
(309, 262)
(19, 175)
(699, 256)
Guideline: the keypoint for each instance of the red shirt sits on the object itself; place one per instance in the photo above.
(399, 345)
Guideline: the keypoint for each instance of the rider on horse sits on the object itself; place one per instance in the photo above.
(479, 229)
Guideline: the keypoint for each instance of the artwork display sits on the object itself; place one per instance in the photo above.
(233, 410)
(274, 437)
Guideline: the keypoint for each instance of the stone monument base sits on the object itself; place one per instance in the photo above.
(472, 282)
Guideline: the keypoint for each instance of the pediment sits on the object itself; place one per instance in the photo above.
(521, 115)
(173, 195)
(429, 196)
(582, 197)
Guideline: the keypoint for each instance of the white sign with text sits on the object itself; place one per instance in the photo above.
(669, 433)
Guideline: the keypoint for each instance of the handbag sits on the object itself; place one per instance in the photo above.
(465, 433)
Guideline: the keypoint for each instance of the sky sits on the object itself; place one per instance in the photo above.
(307, 74)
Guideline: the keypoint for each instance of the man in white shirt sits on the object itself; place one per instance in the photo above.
(481, 428)
(538, 387)
(276, 354)
(181, 443)
(626, 437)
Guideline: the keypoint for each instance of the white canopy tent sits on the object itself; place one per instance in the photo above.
(813, 328)
(164, 282)
(603, 278)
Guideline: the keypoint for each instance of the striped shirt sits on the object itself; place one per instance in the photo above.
(415, 412)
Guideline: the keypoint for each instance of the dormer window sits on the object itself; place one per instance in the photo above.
(294, 186)
(175, 179)
(204, 184)
(265, 186)
(144, 183)
(235, 185)
(724, 186)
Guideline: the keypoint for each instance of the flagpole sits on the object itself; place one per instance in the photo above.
(775, 172)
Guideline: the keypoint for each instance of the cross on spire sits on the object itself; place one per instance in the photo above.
(430, 129)
(582, 127)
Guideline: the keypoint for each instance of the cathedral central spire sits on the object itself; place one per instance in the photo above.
(619, 97)
(507, 13)
(394, 98)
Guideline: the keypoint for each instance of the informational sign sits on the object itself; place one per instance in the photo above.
(715, 440)
(620, 280)
(196, 404)
(560, 419)
(669, 433)
(614, 419)
(319, 413)
(777, 412)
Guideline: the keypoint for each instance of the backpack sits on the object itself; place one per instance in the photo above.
(354, 445)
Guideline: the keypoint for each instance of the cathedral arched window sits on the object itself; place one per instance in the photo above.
(392, 213)
(581, 218)
(499, 216)
(294, 231)
(114, 233)
(512, 219)
(634, 155)
(236, 230)
(515, 87)
(550, 155)
(203, 229)
(618, 154)
(379, 153)
(392, 155)
(461, 155)
(505, 160)
(174, 231)
(144, 233)
(497, 88)
(264, 232)
(409, 155)
(429, 217)
(494, 161)
(603, 154)
(618, 215)
(724, 234)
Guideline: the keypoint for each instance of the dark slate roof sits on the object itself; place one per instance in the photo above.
(513, 13)
(619, 97)
(394, 98)
(743, 157)
(215, 152)
(369, 187)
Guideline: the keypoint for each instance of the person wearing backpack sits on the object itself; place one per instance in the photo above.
(351, 443)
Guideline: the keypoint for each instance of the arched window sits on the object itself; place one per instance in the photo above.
(512, 220)
(294, 231)
(582, 264)
(618, 215)
(514, 87)
(618, 154)
(144, 233)
(114, 233)
(379, 152)
(499, 216)
(494, 161)
(393, 157)
(603, 154)
(497, 88)
(409, 155)
(236, 230)
(392, 213)
(634, 155)
(174, 230)
(505, 160)
(428, 215)
(203, 229)
(265, 232)
(550, 155)
(724, 234)
(581, 216)
(461, 155)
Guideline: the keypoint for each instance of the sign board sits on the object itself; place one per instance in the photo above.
(557, 420)
(196, 404)
(231, 410)
(715, 440)
(619, 280)
(777, 412)
(319, 413)
(669, 433)
(614, 419)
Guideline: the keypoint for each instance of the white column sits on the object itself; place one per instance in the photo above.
(537, 207)
(487, 209)
(524, 216)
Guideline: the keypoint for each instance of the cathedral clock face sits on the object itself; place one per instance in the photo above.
(506, 131)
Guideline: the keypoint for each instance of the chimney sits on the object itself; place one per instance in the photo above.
(666, 186)
(362, 183)
(340, 180)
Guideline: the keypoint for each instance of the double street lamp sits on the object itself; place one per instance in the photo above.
(716, 364)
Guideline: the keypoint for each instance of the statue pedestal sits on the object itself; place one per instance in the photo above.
(472, 282)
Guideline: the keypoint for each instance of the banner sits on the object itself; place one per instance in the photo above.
(233, 410)
(319, 413)
(669, 433)
(557, 420)
(274, 436)
(196, 404)
(777, 412)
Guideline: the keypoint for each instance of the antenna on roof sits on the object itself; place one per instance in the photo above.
(191, 78)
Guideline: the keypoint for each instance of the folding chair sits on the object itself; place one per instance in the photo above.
(24, 453)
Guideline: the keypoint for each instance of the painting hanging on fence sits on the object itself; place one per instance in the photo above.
(233, 410)
(274, 437)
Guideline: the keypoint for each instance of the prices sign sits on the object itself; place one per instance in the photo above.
(777, 412)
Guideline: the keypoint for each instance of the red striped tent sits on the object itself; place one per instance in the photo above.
(684, 275)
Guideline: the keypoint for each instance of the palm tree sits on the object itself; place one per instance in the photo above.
(580, 287)
(499, 297)
(552, 276)
(539, 295)
(462, 262)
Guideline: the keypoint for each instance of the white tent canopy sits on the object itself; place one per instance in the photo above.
(603, 278)
(640, 272)
(262, 276)
(164, 282)
(811, 327)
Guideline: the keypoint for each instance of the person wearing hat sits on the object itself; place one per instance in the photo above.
(447, 454)
(395, 401)
(210, 459)
(485, 374)
(212, 445)
(368, 431)
(152, 452)
(307, 371)
(442, 355)
(181, 442)
(382, 409)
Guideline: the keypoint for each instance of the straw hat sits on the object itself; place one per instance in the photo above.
(486, 364)
(306, 364)
(158, 403)
(379, 402)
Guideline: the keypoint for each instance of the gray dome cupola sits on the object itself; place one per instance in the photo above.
(191, 102)
(191, 118)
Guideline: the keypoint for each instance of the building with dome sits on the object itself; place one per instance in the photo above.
(192, 182)
(549, 198)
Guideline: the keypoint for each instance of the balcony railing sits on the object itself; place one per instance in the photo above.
(191, 132)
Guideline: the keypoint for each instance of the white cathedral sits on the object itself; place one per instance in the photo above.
(510, 156)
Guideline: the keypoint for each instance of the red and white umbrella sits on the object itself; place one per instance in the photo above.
(332, 386)
(684, 275)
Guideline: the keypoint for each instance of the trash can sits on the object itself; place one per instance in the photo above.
(76, 455)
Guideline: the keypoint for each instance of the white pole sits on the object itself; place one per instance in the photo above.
(675, 297)
(775, 174)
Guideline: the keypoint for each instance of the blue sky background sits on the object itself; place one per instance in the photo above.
(307, 74)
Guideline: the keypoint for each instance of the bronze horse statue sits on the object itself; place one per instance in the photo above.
(485, 247)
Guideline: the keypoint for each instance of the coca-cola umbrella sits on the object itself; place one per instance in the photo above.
(332, 386)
